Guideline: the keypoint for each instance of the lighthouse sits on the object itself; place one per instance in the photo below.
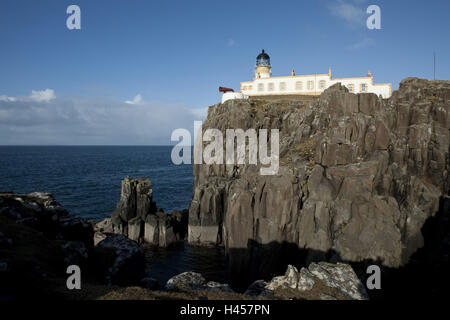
(263, 67)
(264, 84)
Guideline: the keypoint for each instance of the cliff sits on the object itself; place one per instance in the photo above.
(358, 178)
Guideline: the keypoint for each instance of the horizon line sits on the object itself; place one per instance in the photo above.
(86, 145)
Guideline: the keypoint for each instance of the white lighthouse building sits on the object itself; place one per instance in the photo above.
(264, 84)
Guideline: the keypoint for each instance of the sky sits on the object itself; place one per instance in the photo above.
(139, 69)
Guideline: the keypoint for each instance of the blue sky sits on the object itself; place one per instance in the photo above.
(175, 54)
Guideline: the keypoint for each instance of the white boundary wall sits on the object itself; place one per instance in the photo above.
(311, 85)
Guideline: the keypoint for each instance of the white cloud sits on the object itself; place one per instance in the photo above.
(136, 100)
(232, 43)
(200, 114)
(351, 12)
(36, 95)
(43, 95)
(91, 121)
(6, 98)
(364, 43)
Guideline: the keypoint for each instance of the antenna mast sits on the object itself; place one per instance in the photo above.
(434, 77)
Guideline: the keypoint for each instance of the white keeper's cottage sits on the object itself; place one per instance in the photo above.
(265, 84)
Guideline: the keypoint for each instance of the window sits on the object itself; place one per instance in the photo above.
(260, 87)
(244, 87)
(270, 88)
(322, 84)
(282, 86)
(363, 87)
(350, 88)
(310, 85)
(250, 87)
(299, 85)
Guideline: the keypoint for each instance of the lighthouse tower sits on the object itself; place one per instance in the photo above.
(263, 67)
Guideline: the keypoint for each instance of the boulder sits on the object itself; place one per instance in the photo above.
(75, 229)
(340, 276)
(305, 280)
(289, 280)
(215, 286)
(98, 237)
(193, 280)
(337, 276)
(186, 280)
(105, 226)
(75, 253)
(129, 265)
(258, 288)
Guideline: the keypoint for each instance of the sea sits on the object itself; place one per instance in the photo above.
(86, 180)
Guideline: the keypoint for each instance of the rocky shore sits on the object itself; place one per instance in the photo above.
(39, 239)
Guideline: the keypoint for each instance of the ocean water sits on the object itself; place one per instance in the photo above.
(86, 180)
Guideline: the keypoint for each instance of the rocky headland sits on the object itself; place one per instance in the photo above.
(359, 177)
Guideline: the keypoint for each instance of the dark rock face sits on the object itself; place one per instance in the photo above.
(135, 199)
(129, 264)
(358, 178)
(75, 253)
(42, 212)
(134, 205)
(257, 288)
(136, 217)
(150, 284)
(73, 237)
